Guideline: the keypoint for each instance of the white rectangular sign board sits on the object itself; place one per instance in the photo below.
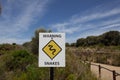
(51, 49)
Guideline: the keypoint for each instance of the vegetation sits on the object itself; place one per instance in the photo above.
(105, 54)
(104, 48)
(111, 38)
(21, 65)
(34, 44)
(20, 62)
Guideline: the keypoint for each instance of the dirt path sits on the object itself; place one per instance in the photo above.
(105, 74)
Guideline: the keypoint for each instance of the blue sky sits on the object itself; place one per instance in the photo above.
(77, 18)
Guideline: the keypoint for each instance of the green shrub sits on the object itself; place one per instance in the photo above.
(36, 73)
(6, 47)
(71, 77)
(21, 65)
(18, 60)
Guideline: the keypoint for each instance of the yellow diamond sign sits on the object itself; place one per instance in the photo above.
(52, 49)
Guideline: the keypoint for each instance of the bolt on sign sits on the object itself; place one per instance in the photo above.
(51, 49)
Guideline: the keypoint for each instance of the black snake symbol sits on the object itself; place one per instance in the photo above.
(51, 49)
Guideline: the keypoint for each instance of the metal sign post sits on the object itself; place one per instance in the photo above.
(51, 51)
(51, 73)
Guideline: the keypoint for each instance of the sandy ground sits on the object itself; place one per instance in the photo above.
(105, 74)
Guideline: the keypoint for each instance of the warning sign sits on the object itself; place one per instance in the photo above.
(51, 49)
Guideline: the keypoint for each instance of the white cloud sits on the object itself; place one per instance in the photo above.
(18, 15)
(111, 26)
(69, 30)
(81, 22)
(94, 16)
(25, 16)
(64, 27)
(92, 22)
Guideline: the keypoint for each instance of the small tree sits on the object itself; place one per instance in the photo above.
(67, 44)
(35, 40)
